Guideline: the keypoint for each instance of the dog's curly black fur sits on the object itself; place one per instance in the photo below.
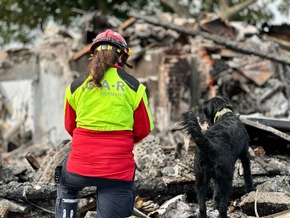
(218, 148)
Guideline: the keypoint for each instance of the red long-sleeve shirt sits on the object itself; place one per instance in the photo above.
(105, 154)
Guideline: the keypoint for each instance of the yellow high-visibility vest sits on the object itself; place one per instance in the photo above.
(109, 107)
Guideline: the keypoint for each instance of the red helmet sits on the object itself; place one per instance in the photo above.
(110, 37)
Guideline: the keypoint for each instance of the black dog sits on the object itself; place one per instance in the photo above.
(218, 148)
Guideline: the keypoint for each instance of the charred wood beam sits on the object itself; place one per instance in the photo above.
(30, 191)
(34, 191)
(151, 188)
(32, 160)
(265, 128)
(230, 44)
(282, 125)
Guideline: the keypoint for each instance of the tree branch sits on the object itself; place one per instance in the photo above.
(181, 10)
(208, 5)
(223, 6)
(227, 12)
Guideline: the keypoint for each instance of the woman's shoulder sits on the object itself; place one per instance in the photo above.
(130, 80)
(78, 82)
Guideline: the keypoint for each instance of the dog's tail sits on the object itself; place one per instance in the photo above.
(191, 126)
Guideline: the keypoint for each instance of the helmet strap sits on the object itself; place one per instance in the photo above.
(129, 65)
(124, 58)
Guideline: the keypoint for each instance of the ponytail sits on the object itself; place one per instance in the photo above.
(100, 63)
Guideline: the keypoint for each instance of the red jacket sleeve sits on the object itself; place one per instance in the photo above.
(141, 126)
(69, 118)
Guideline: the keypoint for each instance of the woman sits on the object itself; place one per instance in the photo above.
(106, 112)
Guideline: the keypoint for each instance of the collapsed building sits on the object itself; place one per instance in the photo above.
(182, 62)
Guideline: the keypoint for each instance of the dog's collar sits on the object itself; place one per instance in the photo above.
(220, 113)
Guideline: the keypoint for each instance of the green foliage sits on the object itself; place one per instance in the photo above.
(18, 18)
(254, 15)
(283, 7)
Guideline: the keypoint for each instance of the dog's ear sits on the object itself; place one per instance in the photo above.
(220, 102)
(202, 118)
(226, 102)
(210, 107)
(208, 111)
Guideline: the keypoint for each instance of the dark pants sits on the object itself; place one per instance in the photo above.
(115, 198)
